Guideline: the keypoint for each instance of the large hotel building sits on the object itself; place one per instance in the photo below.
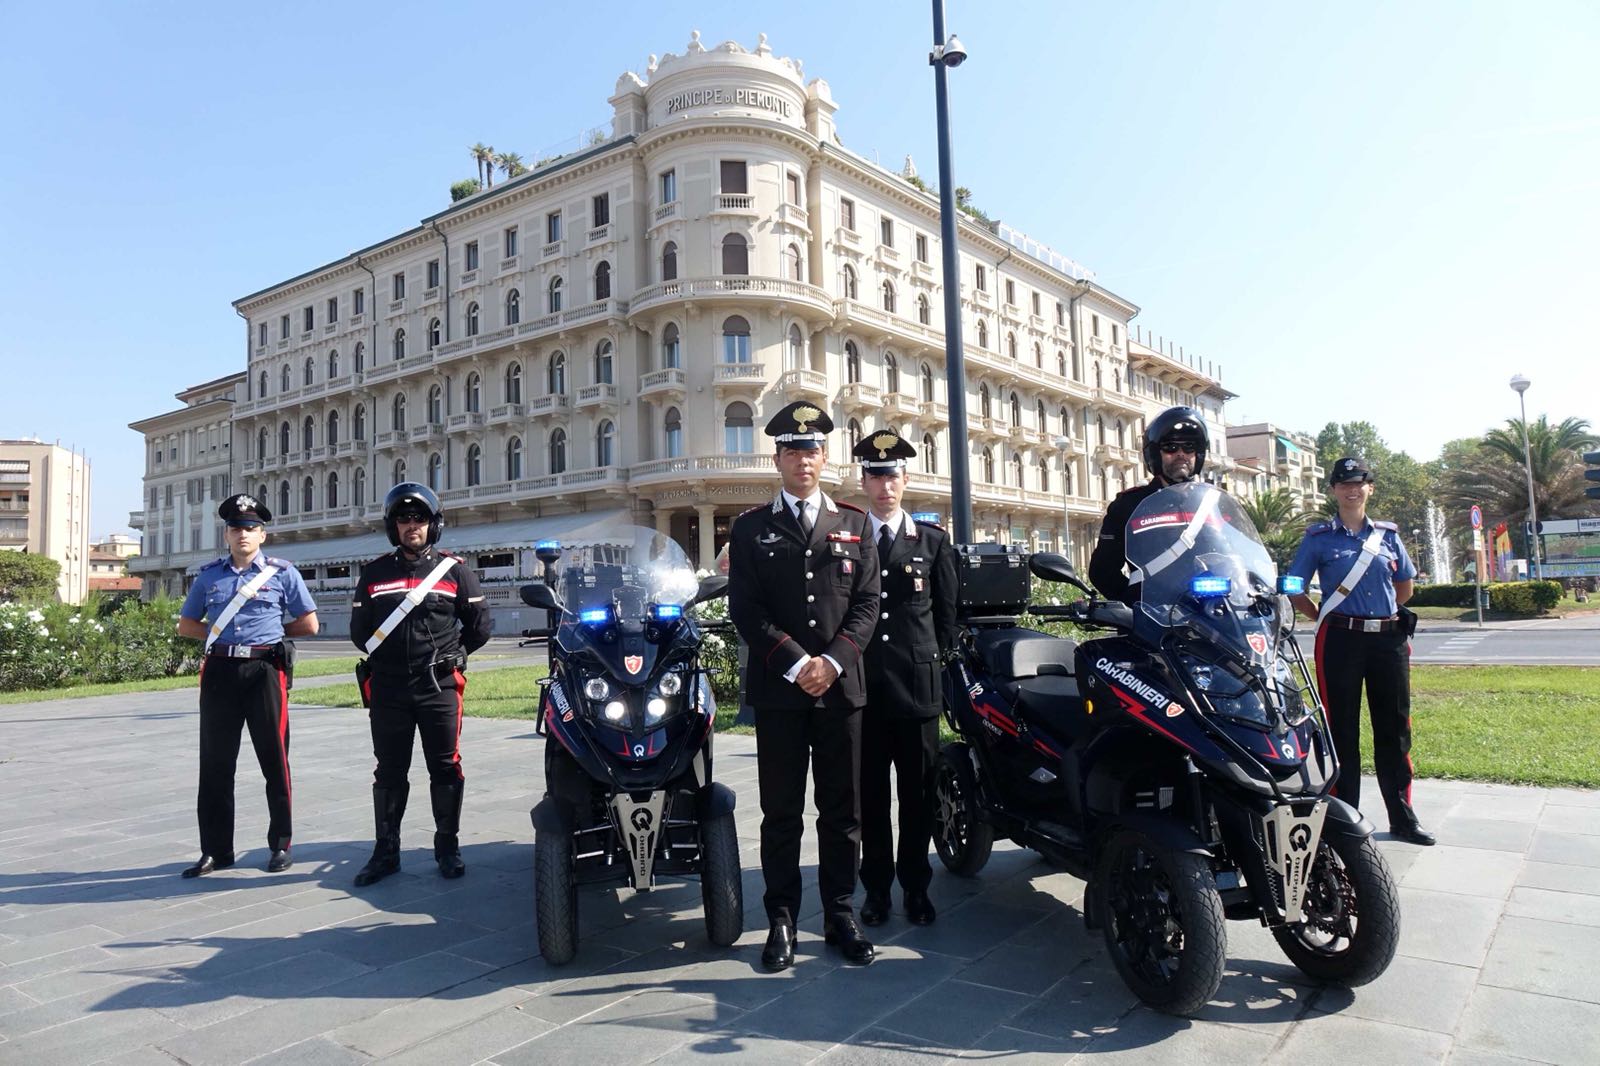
(601, 340)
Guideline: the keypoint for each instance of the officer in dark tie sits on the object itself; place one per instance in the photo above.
(803, 593)
(900, 726)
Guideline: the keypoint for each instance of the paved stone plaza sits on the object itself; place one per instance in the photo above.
(107, 955)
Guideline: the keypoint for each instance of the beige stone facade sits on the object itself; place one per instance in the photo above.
(44, 509)
(1272, 457)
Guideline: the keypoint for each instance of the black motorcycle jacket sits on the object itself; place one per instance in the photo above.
(1107, 566)
(451, 622)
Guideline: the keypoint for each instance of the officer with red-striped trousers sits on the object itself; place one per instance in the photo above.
(417, 613)
(243, 606)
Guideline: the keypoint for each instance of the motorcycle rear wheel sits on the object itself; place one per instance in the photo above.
(960, 833)
(555, 893)
(721, 881)
(1163, 921)
(1352, 924)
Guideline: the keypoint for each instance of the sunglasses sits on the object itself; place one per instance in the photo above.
(1173, 447)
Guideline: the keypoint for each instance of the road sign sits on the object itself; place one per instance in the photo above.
(1477, 517)
(1477, 540)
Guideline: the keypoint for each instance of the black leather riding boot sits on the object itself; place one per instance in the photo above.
(388, 808)
(447, 826)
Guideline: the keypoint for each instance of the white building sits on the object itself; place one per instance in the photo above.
(44, 509)
(601, 341)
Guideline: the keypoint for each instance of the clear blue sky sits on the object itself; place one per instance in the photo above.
(1360, 210)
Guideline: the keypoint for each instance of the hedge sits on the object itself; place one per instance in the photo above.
(1524, 597)
(1458, 595)
(54, 645)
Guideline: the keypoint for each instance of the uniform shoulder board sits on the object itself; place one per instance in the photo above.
(752, 510)
(1318, 527)
(452, 555)
(850, 507)
(1387, 525)
(928, 525)
(215, 563)
(281, 564)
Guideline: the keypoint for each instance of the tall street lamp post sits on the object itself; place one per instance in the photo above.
(1521, 384)
(948, 53)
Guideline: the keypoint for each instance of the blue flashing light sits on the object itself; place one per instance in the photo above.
(544, 545)
(595, 616)
(1210, 585)
(1290, 585)
(668, 612)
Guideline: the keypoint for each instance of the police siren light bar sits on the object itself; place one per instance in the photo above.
(1207, 585)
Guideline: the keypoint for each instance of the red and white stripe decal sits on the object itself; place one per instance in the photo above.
(283, 737)
(461, 699)
(400, 586)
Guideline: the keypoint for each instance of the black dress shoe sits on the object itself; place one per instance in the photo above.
(875, 908)
(844, 934)
(1413, 834)
(207, 864)
(919, 909)
(779, 952)
(279, 862)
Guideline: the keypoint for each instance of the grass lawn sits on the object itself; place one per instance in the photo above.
(511, 692)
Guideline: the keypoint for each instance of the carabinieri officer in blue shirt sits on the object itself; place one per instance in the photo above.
(1364, 637)
(243, 606)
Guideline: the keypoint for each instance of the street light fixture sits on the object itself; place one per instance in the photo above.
(948, 53)
(1520, 384)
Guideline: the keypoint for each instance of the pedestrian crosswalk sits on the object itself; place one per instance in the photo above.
(1461, 646)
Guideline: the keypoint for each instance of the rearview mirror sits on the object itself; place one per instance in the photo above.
(538, 594)
(1050, 566)
(711, 588)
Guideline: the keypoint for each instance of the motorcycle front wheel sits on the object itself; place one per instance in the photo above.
(1352, 924)
(960, 834)
(721, 880)
(555, 893)
(1163, 921)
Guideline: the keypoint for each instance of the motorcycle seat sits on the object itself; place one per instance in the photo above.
(1014, 655)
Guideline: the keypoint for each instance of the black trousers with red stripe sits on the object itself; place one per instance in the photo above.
(407, 707)
(911, 746)
(1347, 659)
(235, 693)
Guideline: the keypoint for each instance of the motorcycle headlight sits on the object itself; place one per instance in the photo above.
(616, 711)
(655, 709)
(596, 689)
(670, 684)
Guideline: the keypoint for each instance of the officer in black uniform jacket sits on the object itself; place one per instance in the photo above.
(414, 681)
(803, 593)
(1175, 447)
(900, 727)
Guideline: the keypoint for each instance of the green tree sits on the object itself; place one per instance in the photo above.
(511, 164)
(465, 188)
(485, 157)
(1279, 519)
(26, 576)
(1402, 485)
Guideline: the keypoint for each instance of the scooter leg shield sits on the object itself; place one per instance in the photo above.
(551, 815)
(715, 800)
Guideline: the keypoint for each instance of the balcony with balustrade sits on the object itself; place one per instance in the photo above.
(744, 379)
(901, 405)
(427, 433)
(551, 403)
(730, 290)
(600, 396)
(508, 414)
(465, 421)
(663, 386)
(859, 396)
(934, 412)
(802, 385)
(1117, 401)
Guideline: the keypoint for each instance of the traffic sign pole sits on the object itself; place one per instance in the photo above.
(1476, 515)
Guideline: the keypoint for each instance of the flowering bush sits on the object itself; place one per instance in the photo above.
(719, 652)
(53, 645)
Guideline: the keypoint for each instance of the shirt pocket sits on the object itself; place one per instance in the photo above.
(843, 558)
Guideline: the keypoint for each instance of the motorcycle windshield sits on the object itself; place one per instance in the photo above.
(620, 583)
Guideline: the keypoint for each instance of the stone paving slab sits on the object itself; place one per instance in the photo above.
(106, 955)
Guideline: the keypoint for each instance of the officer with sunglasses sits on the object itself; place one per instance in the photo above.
(1175, 446)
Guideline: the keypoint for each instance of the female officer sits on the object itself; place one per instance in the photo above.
(1363, 637)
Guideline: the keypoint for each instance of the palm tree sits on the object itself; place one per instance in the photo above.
(511, 164)
(483, 154)
(488, 166)
(1280, 518)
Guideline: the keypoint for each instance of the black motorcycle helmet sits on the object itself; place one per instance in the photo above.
(410, 496)
(1176, 424)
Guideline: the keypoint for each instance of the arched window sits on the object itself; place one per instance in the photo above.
(554, 295)
(1016, 470)
(926, 376)
(671, 356)
(738, 429)
(283, 498)
(888, 296)
(435, 404)
(1066, 421)
(558, 452)
(602, 281)
(360, 358)
(673, 424)
(261, 492)
(985, 400)
(848, 284)
(793, 265)
(308, 493)
(605, 436)
(1097, 381)
(852, 363)
(261, 386)
(261, 443)
(513, 458)
(604, 364)
(735, 254)
(983, 333)
(332, 434)
(924, 309)
(399, 344)
(514, 383)
(513, 307)
(1016, 410)
(310, 371)
(358, 488)
(1038, 355)
(436, 471)
(930, 455)
(358, 422)
(1044, 474)
(474, 464)
(331, 496)
(1117, 378)
(1040, 418)
(397, 416)
(796, 354)
(1122, 434)
(285, 382)
(891, 372)
(735, 340)
(285, 442)
(669, 262)
(399, 471)
(1105, 484)
(1011, 345)
(1100, 424)
(333, 364)
(557, 374)
(1066, 478)
(988, 465)
(852, 433)
(474, 391)
(1061, 363)
(435, 333)
(472, 319)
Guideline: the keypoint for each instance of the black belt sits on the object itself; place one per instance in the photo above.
(243, 651)
(1364, 625)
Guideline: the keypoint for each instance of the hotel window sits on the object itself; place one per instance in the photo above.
(474, 392)
(514, 383)
(930, 454)
(735, 255)
(738, 429)
(735, 340)
(981, 277)
(1011, 292)
(552, 227)
(557, 374)
(924, 310)
(261, 386)
(886, 231)
(1096, 320)
(434, 334)
(358, 422)
(922, 247)
(510, 241)
(888, 296)
(474, 464)
(472, 255)
(852, 363)
(283, 327)
(674, 429)
(797, 349)
(398, 285)
(847, 214)
(397, 417)
(600, 210)
(435, 405)
(604, 364)
(602, 281)
(513, 307)
(1061, 313)
(310, 371)
(1116, 334)
(669, 262)
(792, 184)
(333, 363)
(794, 265)
(734, 175)
(358, 487)
(358, 302)
(399, 471)
(669, 186)
(309, 319)
(671, 358)
(558, 451)
(261, 333)
(472, 320)
(360, 358)
(605, 437)
(851, 289)
(555, 294)
(333, 309)
(927, 383)
(513, 458)
(285, 381)
(436, 471)
(433, 274)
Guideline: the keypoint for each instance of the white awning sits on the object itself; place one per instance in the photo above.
(573, 530)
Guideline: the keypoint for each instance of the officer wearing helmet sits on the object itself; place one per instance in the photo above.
(1175, 447)
(417, 613)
